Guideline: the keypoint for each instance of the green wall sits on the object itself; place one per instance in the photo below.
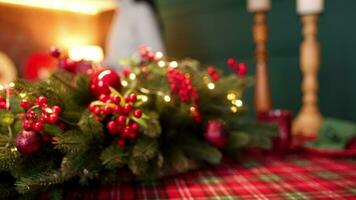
(212, 30)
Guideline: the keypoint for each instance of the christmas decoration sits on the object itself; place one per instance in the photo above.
(103, 79)
(28, 142)
(216, 134)
(86, 126)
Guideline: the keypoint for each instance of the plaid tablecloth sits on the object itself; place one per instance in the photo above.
(295, 177)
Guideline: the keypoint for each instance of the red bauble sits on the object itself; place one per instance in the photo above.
(28, 142)
(103, 79)
(68, 65)
(215, 133)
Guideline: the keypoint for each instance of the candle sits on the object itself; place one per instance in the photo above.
(310, 6)
(258, 5)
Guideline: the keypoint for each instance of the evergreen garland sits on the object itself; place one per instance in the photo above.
(79, 148)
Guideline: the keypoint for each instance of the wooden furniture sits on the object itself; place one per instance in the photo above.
(262, 98)
(309, 118)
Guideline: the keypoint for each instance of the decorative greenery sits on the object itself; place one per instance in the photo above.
(82, 150)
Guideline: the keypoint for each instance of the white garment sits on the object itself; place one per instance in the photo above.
(134, 25)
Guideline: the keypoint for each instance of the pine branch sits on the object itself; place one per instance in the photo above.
(153, 129)
(200, 150)
(145, 149)
(90, 127)
(113, 157)
(8, 158)
(71, 142)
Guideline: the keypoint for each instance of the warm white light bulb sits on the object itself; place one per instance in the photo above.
(167, 98)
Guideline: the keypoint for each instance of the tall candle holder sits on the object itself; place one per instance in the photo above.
(262, 97)
(309, 119)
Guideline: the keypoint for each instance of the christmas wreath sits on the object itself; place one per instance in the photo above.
(87, 124)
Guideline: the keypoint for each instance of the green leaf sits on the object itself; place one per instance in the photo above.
(113, 157)
(115, 92)
(140, 121)
(6, 118)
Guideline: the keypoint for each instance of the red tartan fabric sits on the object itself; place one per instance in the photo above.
(295, 177)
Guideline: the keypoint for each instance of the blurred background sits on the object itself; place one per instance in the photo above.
(208, 30)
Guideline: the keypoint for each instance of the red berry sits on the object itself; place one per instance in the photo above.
(55, 52)
(103, 98)
(41, 100)
(127, 108)
(38, 126)
(21, 116)
(231, 61)
(121, 143)
(117, 109)
(132, 135)
(2, 99)
(242, 69)
(57, 109)
(135, 126)
(2, 105)
(24, 103)
(97, 110)
(107, 109)
(133, 97)
(121, 120)
(137, 113)
(115, 99)
(127, 99)
(53, 118)
(211, 70)
(112, 127)
(28, 125)
(215, 76)
(127, 132)
(31, 114)
(92, 107)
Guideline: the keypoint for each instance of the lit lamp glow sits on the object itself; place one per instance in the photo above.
(89, 52)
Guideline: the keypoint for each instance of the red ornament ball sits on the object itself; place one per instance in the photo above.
(28, 142)
(215, 133)
(103, 79)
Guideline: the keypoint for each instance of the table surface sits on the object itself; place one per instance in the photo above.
(294, 177)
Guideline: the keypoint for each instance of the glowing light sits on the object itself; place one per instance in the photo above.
(132, 76)
(78, 6)
(161, 63)
(12, 84)
(167, 98)
(2, 87)
(22, 95)
(233, 109)
(159, 55)
(231, 96)
(237, 102)
(211, 86)
(193, 109)
(124, 83)
(88, 52)
(144, 98)
(173, 64)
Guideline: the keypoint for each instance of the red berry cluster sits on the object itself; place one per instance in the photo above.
(181, 85)
(70, 65)
(239, 68)
(122, 113)
(38, 113)
(126, 71)
(215, 75)
(3, 105)
(146, 53)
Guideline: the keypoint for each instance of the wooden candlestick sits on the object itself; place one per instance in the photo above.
(262, 92)
(309, 118)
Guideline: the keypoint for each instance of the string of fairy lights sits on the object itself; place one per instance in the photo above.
(232, 97)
